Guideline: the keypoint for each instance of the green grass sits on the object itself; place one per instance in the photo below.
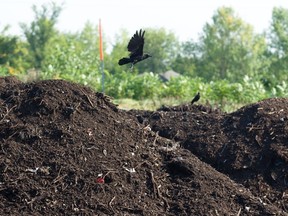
(153, 104)
(146, 104)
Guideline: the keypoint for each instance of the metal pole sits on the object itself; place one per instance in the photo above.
(101, 56)
(103, 75)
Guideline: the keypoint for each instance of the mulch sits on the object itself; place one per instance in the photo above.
(68, 150)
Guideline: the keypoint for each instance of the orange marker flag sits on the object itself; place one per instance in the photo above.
(100, 41)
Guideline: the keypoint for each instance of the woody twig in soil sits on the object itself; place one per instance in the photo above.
(7, 113)
(88, 98)
(156, 190)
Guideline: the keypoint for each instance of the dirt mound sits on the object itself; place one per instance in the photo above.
(249, 145)
(68, 150)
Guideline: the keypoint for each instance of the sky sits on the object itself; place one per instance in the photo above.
(186, 18)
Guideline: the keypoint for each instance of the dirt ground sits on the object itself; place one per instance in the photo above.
(67, 150)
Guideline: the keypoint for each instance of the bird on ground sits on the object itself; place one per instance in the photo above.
(135, 47)
(196, 98)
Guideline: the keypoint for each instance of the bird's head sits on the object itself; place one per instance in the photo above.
(146, 55)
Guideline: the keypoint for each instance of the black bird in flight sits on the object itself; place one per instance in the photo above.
(135, 47)
(196, 98)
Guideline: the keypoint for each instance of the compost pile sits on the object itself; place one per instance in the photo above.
(67, 150)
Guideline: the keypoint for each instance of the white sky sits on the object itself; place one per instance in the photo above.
(185, 18)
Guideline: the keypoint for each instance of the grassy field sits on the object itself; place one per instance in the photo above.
(154, 104)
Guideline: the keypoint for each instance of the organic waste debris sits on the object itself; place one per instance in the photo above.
(67, 150)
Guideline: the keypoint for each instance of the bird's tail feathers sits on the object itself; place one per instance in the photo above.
(124, 61)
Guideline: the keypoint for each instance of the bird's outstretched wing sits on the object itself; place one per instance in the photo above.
(136, 44)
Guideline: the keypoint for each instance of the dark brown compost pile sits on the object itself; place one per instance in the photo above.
(67, 150)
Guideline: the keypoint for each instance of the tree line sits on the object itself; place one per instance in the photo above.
(227, 49)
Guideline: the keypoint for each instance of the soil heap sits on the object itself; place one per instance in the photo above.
(67, 150)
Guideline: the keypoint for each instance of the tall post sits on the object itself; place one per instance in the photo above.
(101, 56)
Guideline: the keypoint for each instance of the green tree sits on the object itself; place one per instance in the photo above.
(186, 61)
(278, 47)
(40, 31)
(119, 50)
(12, 53)
(74, 56)
(228, 48)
